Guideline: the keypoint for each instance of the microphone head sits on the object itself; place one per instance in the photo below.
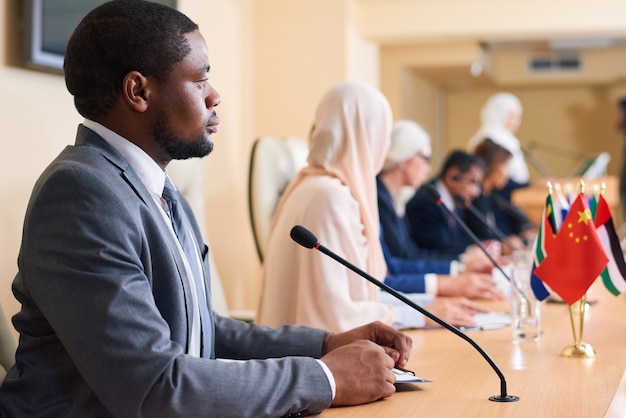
(433, 193)
(303, 236)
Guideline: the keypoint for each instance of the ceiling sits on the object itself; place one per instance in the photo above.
(513, 30)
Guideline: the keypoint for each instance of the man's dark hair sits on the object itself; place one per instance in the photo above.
(492, 153)
(461, 160)
(118, 37)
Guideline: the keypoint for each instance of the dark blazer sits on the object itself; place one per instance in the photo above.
(407, 264)
(104, 318)
(499, 210)
(431, 227)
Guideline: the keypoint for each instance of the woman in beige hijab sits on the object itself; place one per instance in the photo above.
(501, 117)
(335, 198)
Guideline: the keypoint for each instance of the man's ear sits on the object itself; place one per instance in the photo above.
(135, 91)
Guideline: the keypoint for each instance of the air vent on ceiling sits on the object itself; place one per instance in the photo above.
(555, 63)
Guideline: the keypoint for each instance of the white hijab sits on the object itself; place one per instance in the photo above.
(494, 116)
(335, 195)
(349, 141)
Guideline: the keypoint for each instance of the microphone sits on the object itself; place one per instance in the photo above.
(493, 229)
(536, 162)
(559, 151)
(531, 156)
(514, 211)
(304, 237)
(434, 194)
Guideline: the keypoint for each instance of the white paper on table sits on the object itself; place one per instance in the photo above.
(489, 320)
(407, 376)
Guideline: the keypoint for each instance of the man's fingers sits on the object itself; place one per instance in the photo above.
(392, 353)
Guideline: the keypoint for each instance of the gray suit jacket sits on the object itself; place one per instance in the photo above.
(104, 319)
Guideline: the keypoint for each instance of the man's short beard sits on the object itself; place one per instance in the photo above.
(176, 147)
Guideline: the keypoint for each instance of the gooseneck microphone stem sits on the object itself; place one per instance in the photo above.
(561, 152)
(499, 234)
(434, 194)
(536, 162)
(306, 238)
(514, 211)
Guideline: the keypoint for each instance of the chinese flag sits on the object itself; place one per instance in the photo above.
(576, 256)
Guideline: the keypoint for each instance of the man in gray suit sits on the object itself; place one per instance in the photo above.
(111, 322)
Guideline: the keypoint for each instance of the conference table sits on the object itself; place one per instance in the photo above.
(548, 384)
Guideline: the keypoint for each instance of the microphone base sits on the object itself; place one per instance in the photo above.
(505, 398)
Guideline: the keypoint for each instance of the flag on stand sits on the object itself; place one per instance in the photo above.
(545, 236)
(561, 207)
(614, 275)
(576, 257)
(593, 206)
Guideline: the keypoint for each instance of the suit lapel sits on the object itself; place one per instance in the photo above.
(86, 137)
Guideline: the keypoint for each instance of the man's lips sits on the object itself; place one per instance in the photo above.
(213, 123)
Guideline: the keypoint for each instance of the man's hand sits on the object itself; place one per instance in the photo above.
(456, 311)
(395, 344)
(470, 285)
(516, 242)
(475, 260)
(362, 372)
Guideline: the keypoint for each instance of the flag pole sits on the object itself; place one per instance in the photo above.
(579, 349)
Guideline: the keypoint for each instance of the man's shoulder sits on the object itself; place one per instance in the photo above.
(422, 196)
(76, 165)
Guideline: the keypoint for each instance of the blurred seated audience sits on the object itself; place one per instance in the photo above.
(518, 230)
(410, 268)
(430, 225)
(501, 117)
(334, 197)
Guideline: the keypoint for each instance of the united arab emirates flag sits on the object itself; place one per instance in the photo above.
(614, 275)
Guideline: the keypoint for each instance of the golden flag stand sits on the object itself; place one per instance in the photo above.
(578, 349)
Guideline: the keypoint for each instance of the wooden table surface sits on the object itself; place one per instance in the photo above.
(547, 384)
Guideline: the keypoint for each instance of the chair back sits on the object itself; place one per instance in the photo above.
(8, 344)
(273, 164)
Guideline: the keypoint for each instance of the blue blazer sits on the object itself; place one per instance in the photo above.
(406, 262)
(431, 227)
(105, 318)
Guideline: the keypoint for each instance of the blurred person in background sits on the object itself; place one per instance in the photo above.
(518, 231)
(432, 226)
(411, 268)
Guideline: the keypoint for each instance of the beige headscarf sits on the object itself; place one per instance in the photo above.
(494, 115)
(349, 140)
(335, 196)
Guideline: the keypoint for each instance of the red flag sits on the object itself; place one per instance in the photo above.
(576, 256)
